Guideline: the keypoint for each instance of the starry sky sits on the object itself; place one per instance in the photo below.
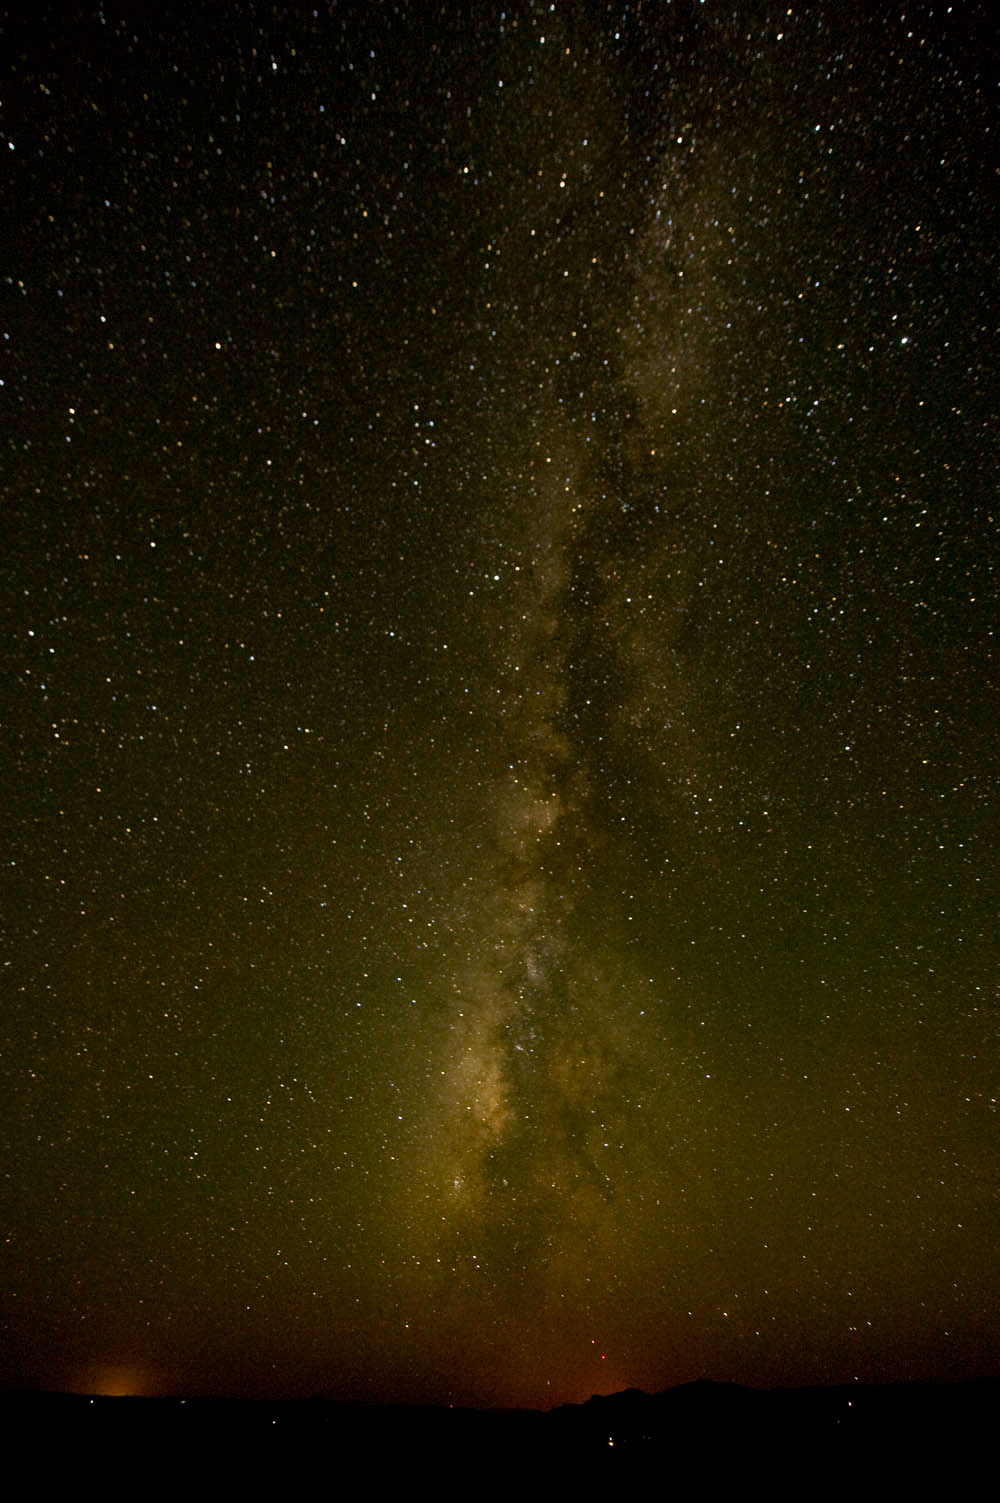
(500, 697)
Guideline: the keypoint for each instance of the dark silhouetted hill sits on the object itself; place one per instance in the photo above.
(813, 1441)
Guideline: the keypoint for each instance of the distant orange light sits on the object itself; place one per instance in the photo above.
(117, 1380)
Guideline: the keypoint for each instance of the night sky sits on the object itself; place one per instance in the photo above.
(499, 704)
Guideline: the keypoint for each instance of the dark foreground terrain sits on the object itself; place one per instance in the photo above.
(693, 1440)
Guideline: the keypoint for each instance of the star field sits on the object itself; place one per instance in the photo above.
(500, 698)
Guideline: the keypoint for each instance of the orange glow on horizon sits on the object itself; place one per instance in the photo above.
(117, 1380)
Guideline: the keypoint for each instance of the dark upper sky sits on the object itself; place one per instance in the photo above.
(500, 705)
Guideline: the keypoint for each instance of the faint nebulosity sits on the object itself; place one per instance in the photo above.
(501, 702)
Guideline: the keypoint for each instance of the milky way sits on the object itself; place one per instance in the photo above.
(500, 594)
